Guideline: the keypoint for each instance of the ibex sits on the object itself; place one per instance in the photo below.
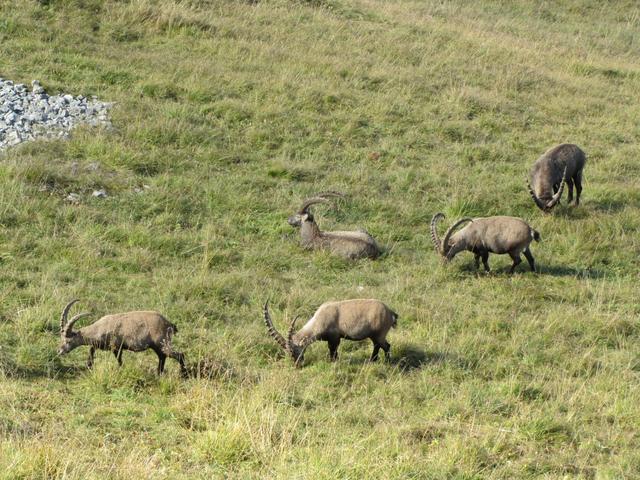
(351, 245)
(560, 164)
(135, 331)
(487, 235)
(351, 319)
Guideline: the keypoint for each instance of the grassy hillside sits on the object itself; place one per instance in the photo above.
(231, 112)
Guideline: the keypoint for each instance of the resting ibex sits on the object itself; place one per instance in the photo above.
(135, 331)
(560, 164)
(487, 235)
(351, 319)
(351, 245)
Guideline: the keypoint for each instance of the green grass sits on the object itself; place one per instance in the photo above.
(232, 112)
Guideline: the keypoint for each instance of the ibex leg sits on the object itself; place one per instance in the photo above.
(92, 352)
(529, 257)
(578, 180)
(570, 185)
(516, 261)
(333, 349)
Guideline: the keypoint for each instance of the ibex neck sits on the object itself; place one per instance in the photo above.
(87, 337)
(308, 330)
(310, 233)
(303, 338)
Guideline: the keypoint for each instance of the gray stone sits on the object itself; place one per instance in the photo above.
(73, 198)
(36, 88)
(99, 194)
(25, 115)
(12, 138)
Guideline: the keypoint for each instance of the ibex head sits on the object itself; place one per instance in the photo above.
(68, 338)
(303, 214)
(290, 346)
(443, 247)
(545, 203)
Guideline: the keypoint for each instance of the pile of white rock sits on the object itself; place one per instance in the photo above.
(27, 115)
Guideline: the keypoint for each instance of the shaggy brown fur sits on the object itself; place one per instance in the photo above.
(349, 244)
(487, 235)
(357, 319)
(559, 165)
(135, 331)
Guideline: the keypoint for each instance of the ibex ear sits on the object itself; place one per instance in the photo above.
(304, 217)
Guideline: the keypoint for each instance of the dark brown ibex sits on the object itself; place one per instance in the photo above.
(135, 331)
(351, 319)
(350, 245)
(487, 235)
(559, 165)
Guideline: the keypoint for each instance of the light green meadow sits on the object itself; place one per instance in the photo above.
(232, 112)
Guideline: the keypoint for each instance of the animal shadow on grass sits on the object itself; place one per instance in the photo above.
(408, 358)
(604, 204)
(572, 212)
(524, 269)
(563, 271)
(613, 203)
(499, 270)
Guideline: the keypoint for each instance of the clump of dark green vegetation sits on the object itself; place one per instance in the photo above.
(232, 111)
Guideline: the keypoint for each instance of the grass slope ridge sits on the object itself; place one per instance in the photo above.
(232, 112)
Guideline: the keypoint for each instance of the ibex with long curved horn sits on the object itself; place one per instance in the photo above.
(559, 165)
(486, 235)
(135, 331)
(350, 245)
(351, 319)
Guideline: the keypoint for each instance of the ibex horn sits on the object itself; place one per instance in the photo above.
(65, 313)
(272, 330)
(449, 232)
(556, 198)
(434, 232)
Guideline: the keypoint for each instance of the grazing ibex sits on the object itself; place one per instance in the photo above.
(351, 319)
(560, 164)
(487, 235)
(351, 245)
(135, 331)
